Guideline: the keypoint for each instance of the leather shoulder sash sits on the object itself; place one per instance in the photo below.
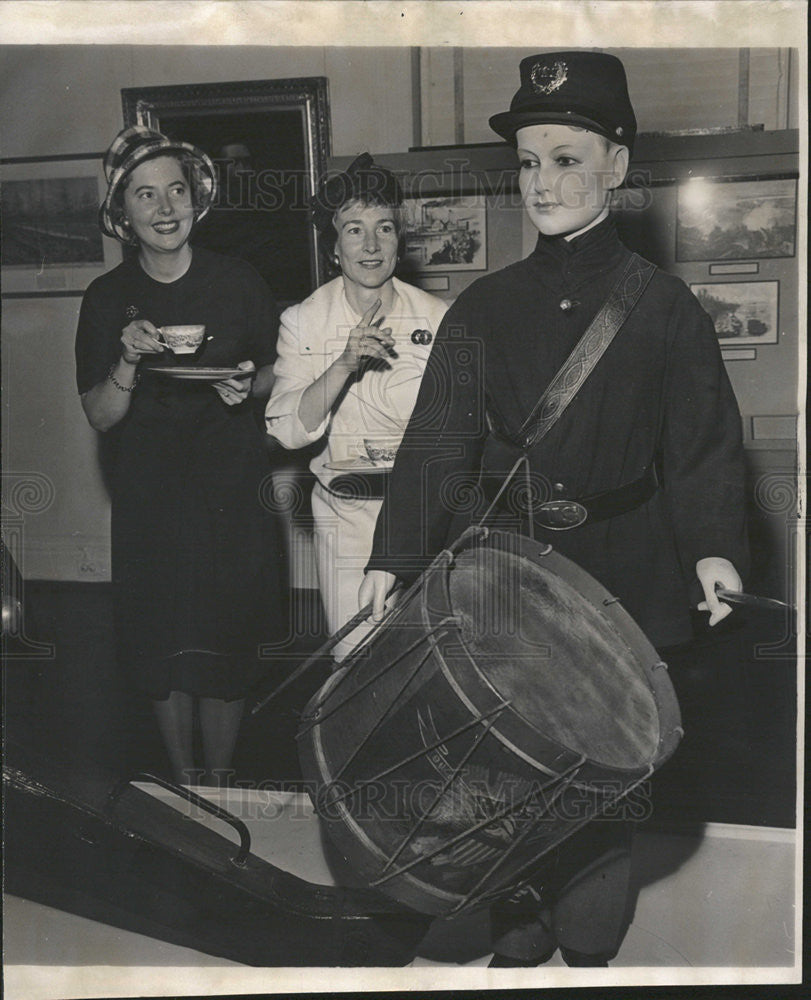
(587, 352)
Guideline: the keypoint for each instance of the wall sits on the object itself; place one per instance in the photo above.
(692, 88)
(67, 100)
(60, 100)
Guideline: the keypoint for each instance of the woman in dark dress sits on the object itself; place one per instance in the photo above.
(196, 561)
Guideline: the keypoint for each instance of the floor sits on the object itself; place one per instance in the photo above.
(714, 860)
(713, 906)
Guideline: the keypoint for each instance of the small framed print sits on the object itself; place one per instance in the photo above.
(736, 220)
(446, 234)
(743, 312)
(52, 244)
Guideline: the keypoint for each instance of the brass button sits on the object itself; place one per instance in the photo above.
(559, 488)
(565, 304)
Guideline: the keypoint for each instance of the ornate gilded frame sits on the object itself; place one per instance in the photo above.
(283, 178)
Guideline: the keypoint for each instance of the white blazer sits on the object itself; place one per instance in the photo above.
(312, 335)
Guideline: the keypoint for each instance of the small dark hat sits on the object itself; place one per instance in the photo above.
(363, 180)
(587, 89)
(136, 144)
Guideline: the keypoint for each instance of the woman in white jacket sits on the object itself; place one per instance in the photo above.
(350, 361)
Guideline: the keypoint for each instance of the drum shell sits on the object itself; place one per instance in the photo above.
(440, 790)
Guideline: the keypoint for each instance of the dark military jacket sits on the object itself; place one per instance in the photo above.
(660, 390)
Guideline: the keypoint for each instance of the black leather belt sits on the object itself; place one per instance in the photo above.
(357, 486)
(553, 515)
(563, 515)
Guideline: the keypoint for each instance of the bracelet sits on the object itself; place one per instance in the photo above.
(118, 385)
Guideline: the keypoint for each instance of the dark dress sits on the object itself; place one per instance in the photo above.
(197, 562)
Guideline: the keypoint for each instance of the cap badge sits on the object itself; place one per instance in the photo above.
(548, 77)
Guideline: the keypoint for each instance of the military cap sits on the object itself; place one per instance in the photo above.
(587, 89)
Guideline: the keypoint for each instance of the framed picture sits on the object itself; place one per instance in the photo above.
(744, 312)
(736, 220)
(269, 140)
(446, 233)
(52, 244)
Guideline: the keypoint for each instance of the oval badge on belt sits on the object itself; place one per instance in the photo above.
(560, 515)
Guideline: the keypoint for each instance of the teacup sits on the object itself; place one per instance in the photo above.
(181, 339)
(382, 449)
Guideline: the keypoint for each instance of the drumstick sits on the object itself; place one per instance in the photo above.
(333, 640)
(752, 600)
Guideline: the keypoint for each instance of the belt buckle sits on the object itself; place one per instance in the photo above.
(561, 515)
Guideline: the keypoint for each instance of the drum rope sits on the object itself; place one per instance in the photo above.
(317, 718)
(564, 834)
(442, 561)
(389, 708)
(482, 824)
(447, 782)
(565, 782)
(359, 786)
(523, 460)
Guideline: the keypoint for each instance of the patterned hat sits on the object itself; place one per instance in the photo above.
(133, 146)
(362, 180)
(588, 89)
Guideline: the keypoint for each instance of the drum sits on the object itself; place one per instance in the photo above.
(507, 700)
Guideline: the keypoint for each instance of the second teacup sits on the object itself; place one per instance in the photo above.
(382, 449)
(181, 339)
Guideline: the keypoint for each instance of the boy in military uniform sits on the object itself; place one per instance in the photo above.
(643, 467)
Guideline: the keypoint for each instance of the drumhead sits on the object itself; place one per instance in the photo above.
(562, 662)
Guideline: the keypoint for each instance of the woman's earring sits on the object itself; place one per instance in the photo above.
(129, 235)
(335, 261)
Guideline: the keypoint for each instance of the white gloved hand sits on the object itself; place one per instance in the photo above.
(715, 572)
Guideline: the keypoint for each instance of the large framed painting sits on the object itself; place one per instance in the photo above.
(736, 220)
(269, 140)
(52, 244)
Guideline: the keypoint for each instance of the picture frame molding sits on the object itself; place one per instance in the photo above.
(746, 340)
(146, 105)
(60, 279)
(480, 261)
(720, 182)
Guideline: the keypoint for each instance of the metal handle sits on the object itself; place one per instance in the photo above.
(239, 858)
